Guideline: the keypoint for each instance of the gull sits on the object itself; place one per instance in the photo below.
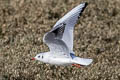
(60, 41)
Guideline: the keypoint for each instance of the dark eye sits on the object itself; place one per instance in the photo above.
(38, 56)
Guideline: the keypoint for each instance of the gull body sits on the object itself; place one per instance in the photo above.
(54, 60)
(60, 41)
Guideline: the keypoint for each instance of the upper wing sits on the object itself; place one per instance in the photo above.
(70, 20)
(60, 38)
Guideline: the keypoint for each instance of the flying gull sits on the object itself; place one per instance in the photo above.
(60, 41)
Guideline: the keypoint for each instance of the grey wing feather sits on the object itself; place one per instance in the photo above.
(54, 42)
(56, 46)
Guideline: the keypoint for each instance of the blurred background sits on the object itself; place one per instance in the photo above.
(24, 22)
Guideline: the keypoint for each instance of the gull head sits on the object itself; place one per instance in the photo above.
(38, 57)
(41, 57)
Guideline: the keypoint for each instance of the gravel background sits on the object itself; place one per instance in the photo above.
(24, 22)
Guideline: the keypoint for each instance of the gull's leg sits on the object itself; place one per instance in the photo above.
(77, 65)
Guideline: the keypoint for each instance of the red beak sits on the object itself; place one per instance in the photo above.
(33, 58)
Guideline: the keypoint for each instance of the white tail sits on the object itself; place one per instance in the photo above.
(82, 61)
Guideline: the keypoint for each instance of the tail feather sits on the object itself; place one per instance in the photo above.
(82, 61)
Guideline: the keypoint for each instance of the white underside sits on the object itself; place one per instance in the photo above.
(60, 61)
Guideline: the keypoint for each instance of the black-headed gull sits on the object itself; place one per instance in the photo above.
(60, 41)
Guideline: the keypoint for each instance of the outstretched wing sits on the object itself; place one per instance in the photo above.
(60, 38)
(70, 20)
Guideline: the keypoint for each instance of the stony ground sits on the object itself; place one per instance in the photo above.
(24, 22)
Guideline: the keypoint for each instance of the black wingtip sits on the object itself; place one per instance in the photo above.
(86, 3)
(83, 9)
(84, 6)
